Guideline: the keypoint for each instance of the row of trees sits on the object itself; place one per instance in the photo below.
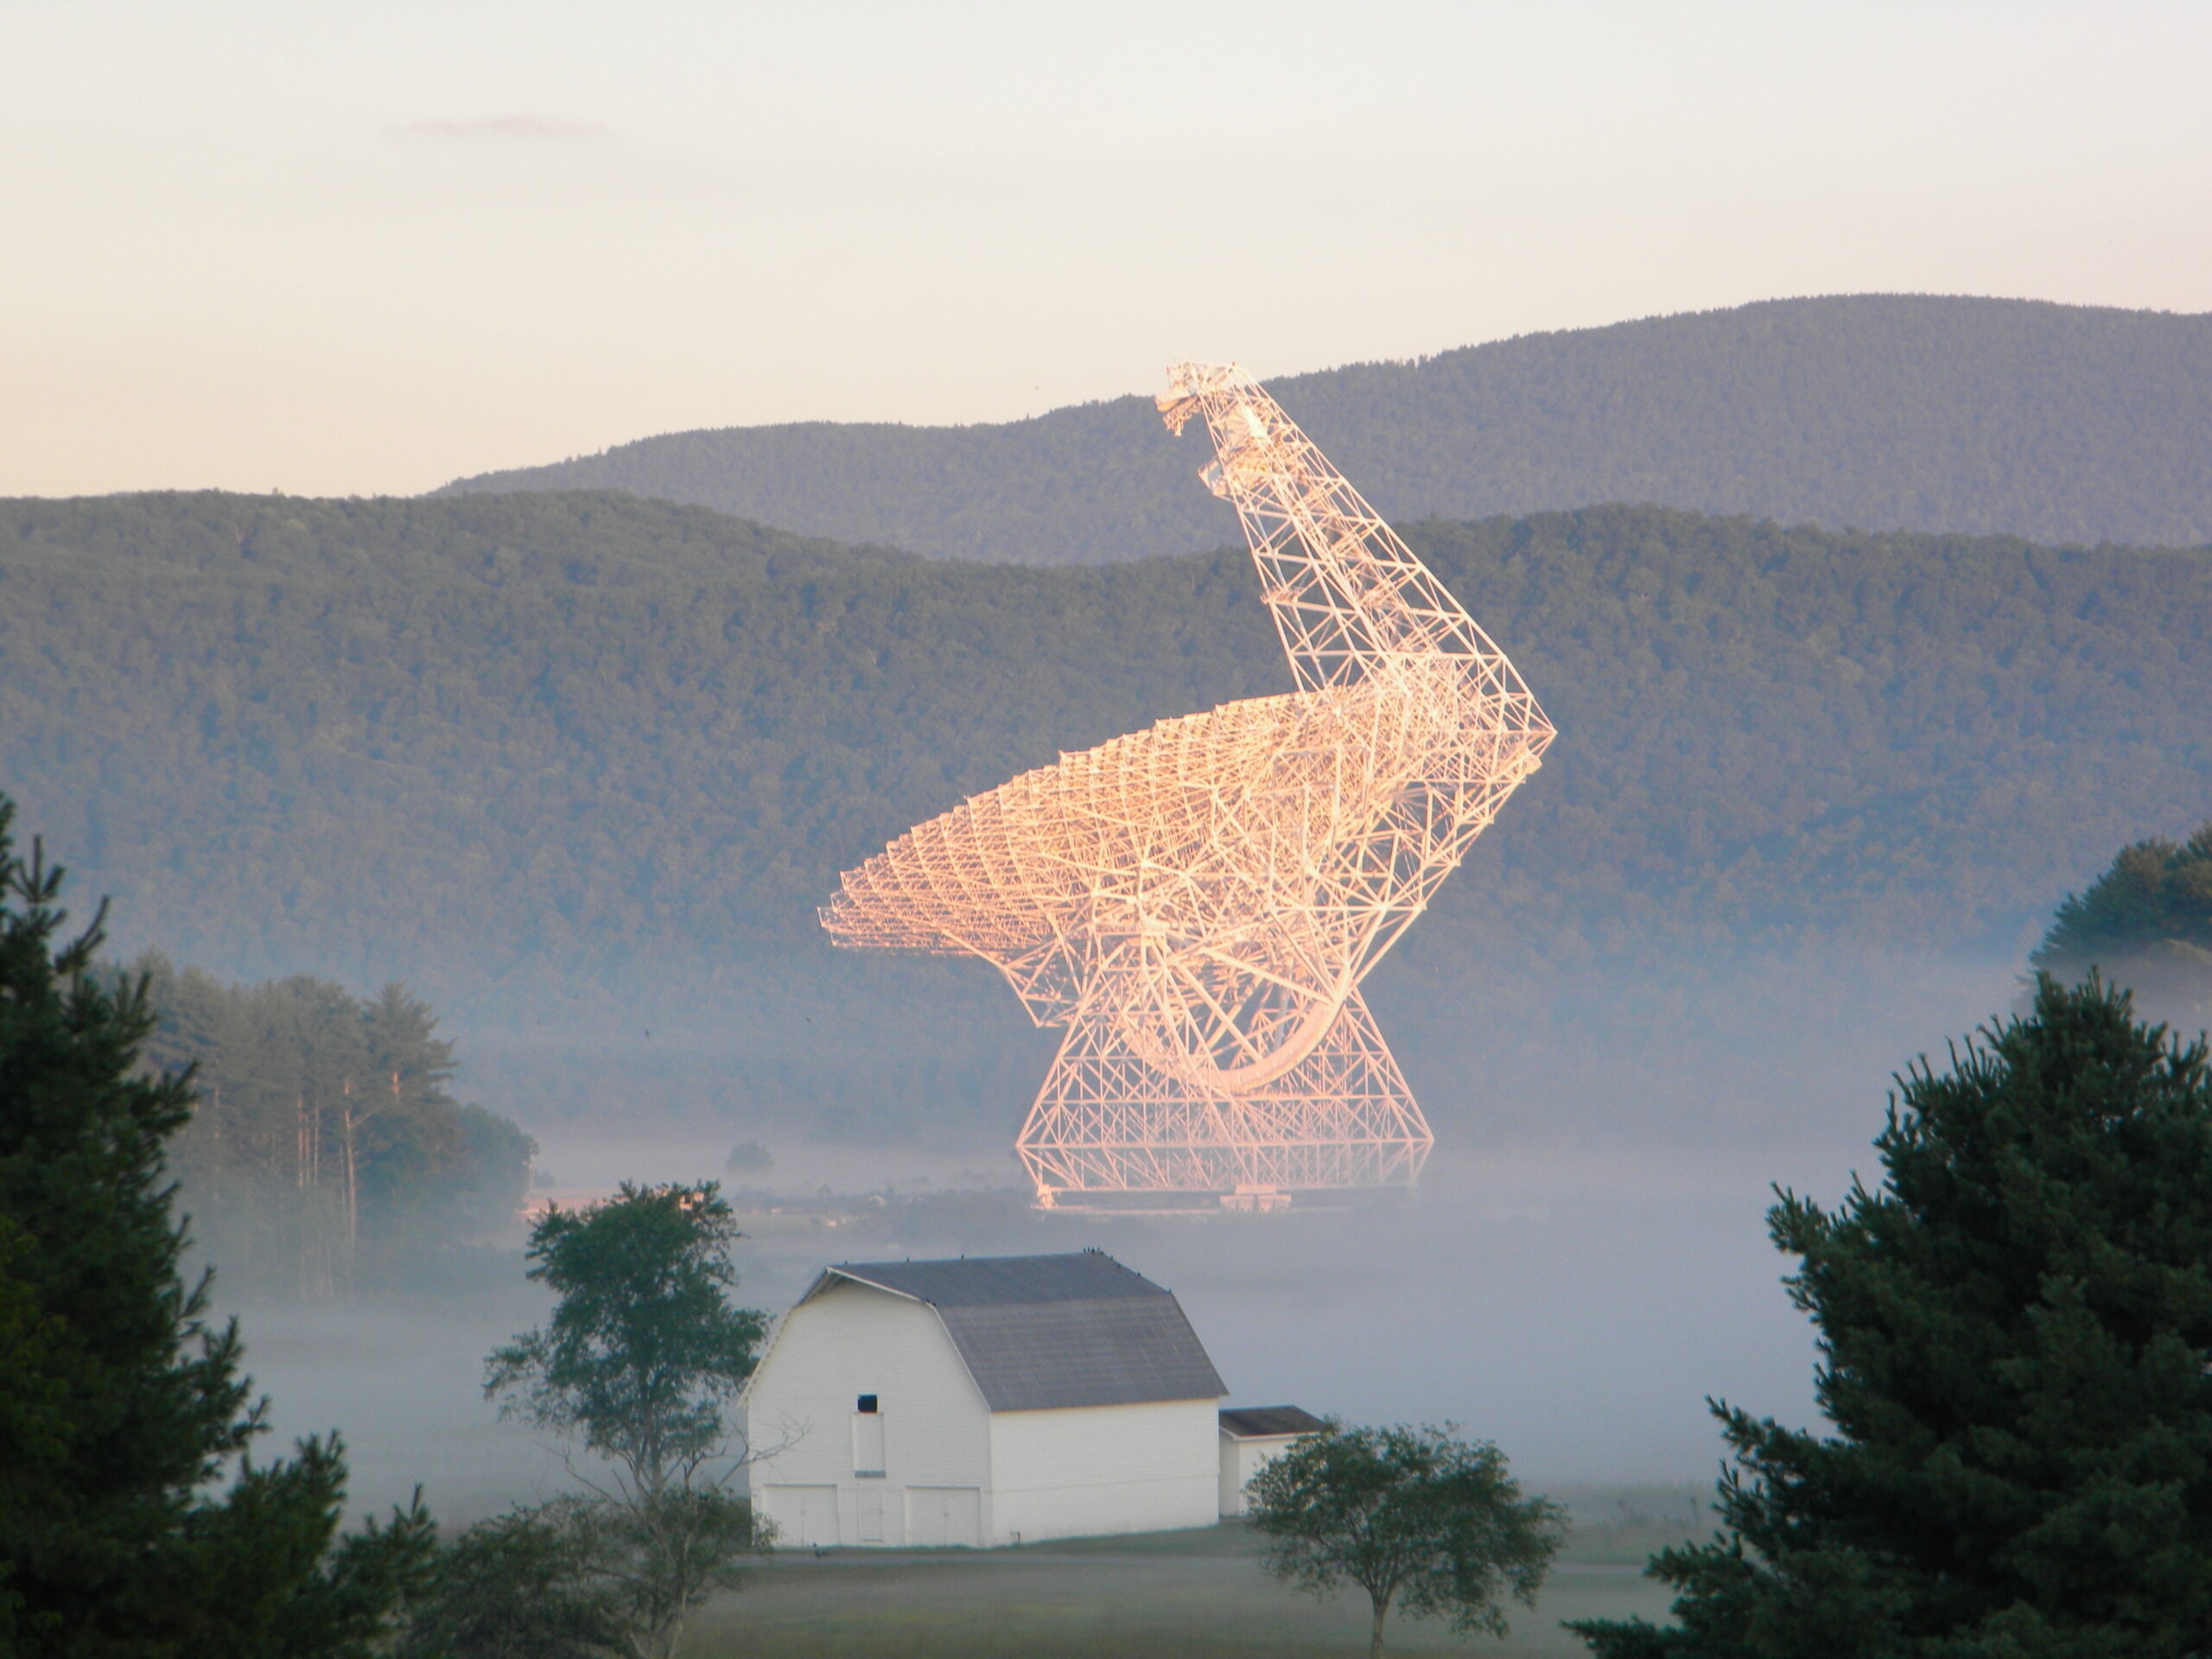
(324, 1151)
(135, 1523)
(2016, 1332)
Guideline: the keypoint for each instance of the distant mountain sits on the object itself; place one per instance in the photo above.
(580, 767)
(2068, 424)
(533, 737)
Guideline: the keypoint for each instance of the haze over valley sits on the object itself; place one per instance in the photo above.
(530, 751)
(505, 512)
(578, 766)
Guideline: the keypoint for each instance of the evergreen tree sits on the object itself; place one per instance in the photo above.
(323, 1151)
(2015, 1334)
(121, 1406)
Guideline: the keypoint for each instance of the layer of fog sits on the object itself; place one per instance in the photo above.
(1584, 1261)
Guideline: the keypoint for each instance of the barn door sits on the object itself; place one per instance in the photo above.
(871, 1514)
(803, 1514)
(944, 1515)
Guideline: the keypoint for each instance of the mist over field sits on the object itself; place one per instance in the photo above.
(1584, 1261)
(543, 548)
(577, 767)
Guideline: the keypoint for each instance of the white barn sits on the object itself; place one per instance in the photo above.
(1252, 1437)
(994, 1401)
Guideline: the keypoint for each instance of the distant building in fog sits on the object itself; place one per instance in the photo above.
(992, 1401)
(1252, 1437)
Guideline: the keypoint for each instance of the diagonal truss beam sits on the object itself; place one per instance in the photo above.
(1197, 902)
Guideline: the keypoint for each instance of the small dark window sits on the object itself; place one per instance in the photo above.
(867, 1403)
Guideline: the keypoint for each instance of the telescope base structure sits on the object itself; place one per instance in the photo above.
(1107, 1122)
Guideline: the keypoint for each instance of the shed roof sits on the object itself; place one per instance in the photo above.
(1263, 1422)
(1044, 1333)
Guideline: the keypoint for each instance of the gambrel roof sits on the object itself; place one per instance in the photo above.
(1044, 1333)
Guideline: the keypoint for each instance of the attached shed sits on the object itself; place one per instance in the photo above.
(995, 1400)
(1251, 1438)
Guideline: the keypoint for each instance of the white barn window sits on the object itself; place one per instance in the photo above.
(867, 1440)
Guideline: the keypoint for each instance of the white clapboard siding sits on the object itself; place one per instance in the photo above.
(872, 1415)
(799, 1411)
(1242, 1458)
(1103, 1469)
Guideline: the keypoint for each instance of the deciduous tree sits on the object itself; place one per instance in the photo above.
(643, 1356)
(525, 1584)
(2146, 923)
(1418, 1519)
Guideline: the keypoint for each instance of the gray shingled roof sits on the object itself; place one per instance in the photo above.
(1041, 1332)
(1258, 1422)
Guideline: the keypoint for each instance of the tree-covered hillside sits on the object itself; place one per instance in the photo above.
(502, 732)
(2062, 424)
(579, 739)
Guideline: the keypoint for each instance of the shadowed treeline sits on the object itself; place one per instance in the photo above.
(323, 1152)
(581, 767)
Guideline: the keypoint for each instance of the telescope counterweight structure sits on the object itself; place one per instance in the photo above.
(1196, 903)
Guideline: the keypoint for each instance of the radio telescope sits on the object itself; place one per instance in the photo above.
(1196, 903)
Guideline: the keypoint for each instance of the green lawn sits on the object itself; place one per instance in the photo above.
(1197, 1593)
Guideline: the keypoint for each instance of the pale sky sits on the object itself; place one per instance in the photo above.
(337, 248)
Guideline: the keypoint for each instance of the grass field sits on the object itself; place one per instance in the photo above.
(1198, 1594)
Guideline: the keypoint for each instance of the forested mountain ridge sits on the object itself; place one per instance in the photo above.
(1940, 414)
(587, 741)
(355, 737)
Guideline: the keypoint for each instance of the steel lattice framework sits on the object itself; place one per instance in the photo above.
(1196, 903)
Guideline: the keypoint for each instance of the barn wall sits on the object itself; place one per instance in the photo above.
(1103, 1469)
(854, 1339)
(1241, 1459)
